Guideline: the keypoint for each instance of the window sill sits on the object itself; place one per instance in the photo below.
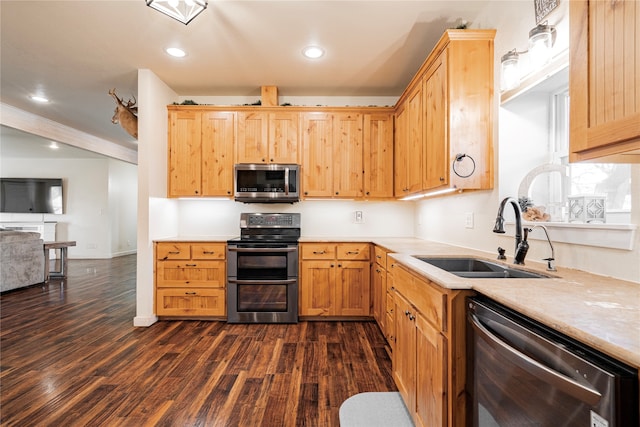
(615, 236)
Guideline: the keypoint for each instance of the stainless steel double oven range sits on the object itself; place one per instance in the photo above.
(262, 269)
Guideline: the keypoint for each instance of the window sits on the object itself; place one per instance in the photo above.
(587, 181)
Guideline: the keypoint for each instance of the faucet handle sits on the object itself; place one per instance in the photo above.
(550, 266)
(501, 252)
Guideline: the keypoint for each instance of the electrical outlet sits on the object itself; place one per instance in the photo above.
(358, 218)
(468, 221)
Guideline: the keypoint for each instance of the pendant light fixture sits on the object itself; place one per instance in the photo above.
(181, 10)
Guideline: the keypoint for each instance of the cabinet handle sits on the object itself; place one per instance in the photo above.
(442, 179)
(191, 265)
(318, 252)
(208, 252)
(378, 256)
(191, 293)
(377, 270)
(174, 252)
(353, 252)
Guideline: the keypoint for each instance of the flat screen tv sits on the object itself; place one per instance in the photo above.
(31, 195)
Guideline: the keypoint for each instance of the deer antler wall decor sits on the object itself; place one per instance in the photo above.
(125, 114)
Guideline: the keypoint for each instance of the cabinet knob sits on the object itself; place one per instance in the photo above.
(442, 179)
(332, 265)
(339, 265)
(337, 193)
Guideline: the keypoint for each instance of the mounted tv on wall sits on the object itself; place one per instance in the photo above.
(31, 195)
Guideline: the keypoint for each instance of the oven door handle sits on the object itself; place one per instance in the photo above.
(545, 373)
(236, 249)
(263, 282)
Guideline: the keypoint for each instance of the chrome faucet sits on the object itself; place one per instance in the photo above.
(521, 245)
(551, 259)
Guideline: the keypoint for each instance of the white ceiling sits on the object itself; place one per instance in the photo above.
(73, 52)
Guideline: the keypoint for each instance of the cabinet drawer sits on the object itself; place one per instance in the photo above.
(208, 251)
(318, 251)
(349, 251)
(190, 302)
(426, 298)
(173, 251)
(380, 257)
(192, 273)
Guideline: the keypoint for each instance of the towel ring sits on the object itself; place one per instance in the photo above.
(459, 158)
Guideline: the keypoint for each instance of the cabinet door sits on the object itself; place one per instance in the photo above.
(348, 152)
(283, 138)
(317, 153)
(379, 295)
(353, 288)
(217, 153)
(436, 156)
(401, 154)
(317, 288)
(404, 353)
(190, 302)
(185, 169)
(378, 155)
(605, 74)
(414, 141)
(191, 273)
(253, 136)
(431, 375)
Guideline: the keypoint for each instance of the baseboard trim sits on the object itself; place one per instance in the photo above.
(144, 321)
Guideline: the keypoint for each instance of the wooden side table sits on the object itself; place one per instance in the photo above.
(63, 259)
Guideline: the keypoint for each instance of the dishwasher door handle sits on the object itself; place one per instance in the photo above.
(550, 376)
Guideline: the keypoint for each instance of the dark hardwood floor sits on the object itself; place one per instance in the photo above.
(70, 356)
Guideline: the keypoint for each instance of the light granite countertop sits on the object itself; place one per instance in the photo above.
(599, 311)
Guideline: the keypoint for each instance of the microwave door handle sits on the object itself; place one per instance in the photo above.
(286, 181)
(545, 373)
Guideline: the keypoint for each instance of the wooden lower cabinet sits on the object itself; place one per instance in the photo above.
(334, 279)
(429, 355)
(190, 279)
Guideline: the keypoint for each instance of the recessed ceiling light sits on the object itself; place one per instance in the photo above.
(53, 145)
(37, 98)
(176, 52)
(313, 52)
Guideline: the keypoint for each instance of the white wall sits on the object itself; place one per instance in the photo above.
(92, 205)
(443, 219)
(321, 218)
(157, 215)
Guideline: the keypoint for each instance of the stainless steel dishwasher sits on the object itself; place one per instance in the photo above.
(526, 374)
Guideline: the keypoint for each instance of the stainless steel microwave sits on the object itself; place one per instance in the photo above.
(267, 183)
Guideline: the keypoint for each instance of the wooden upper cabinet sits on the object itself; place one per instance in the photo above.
(436, 107)
(444, 119)
(283, 137)
(267, 137)
(317, 154)
(184, 146)
(408, 147)
(218, 130)
(347, 166)
(253, 135)
(378, 155)
(200, 153)
(604, 86)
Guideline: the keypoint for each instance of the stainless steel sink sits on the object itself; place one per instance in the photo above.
(478, 268)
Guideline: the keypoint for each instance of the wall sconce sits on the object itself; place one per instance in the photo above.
(510, 70)
(541, 40)
(181, 10)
